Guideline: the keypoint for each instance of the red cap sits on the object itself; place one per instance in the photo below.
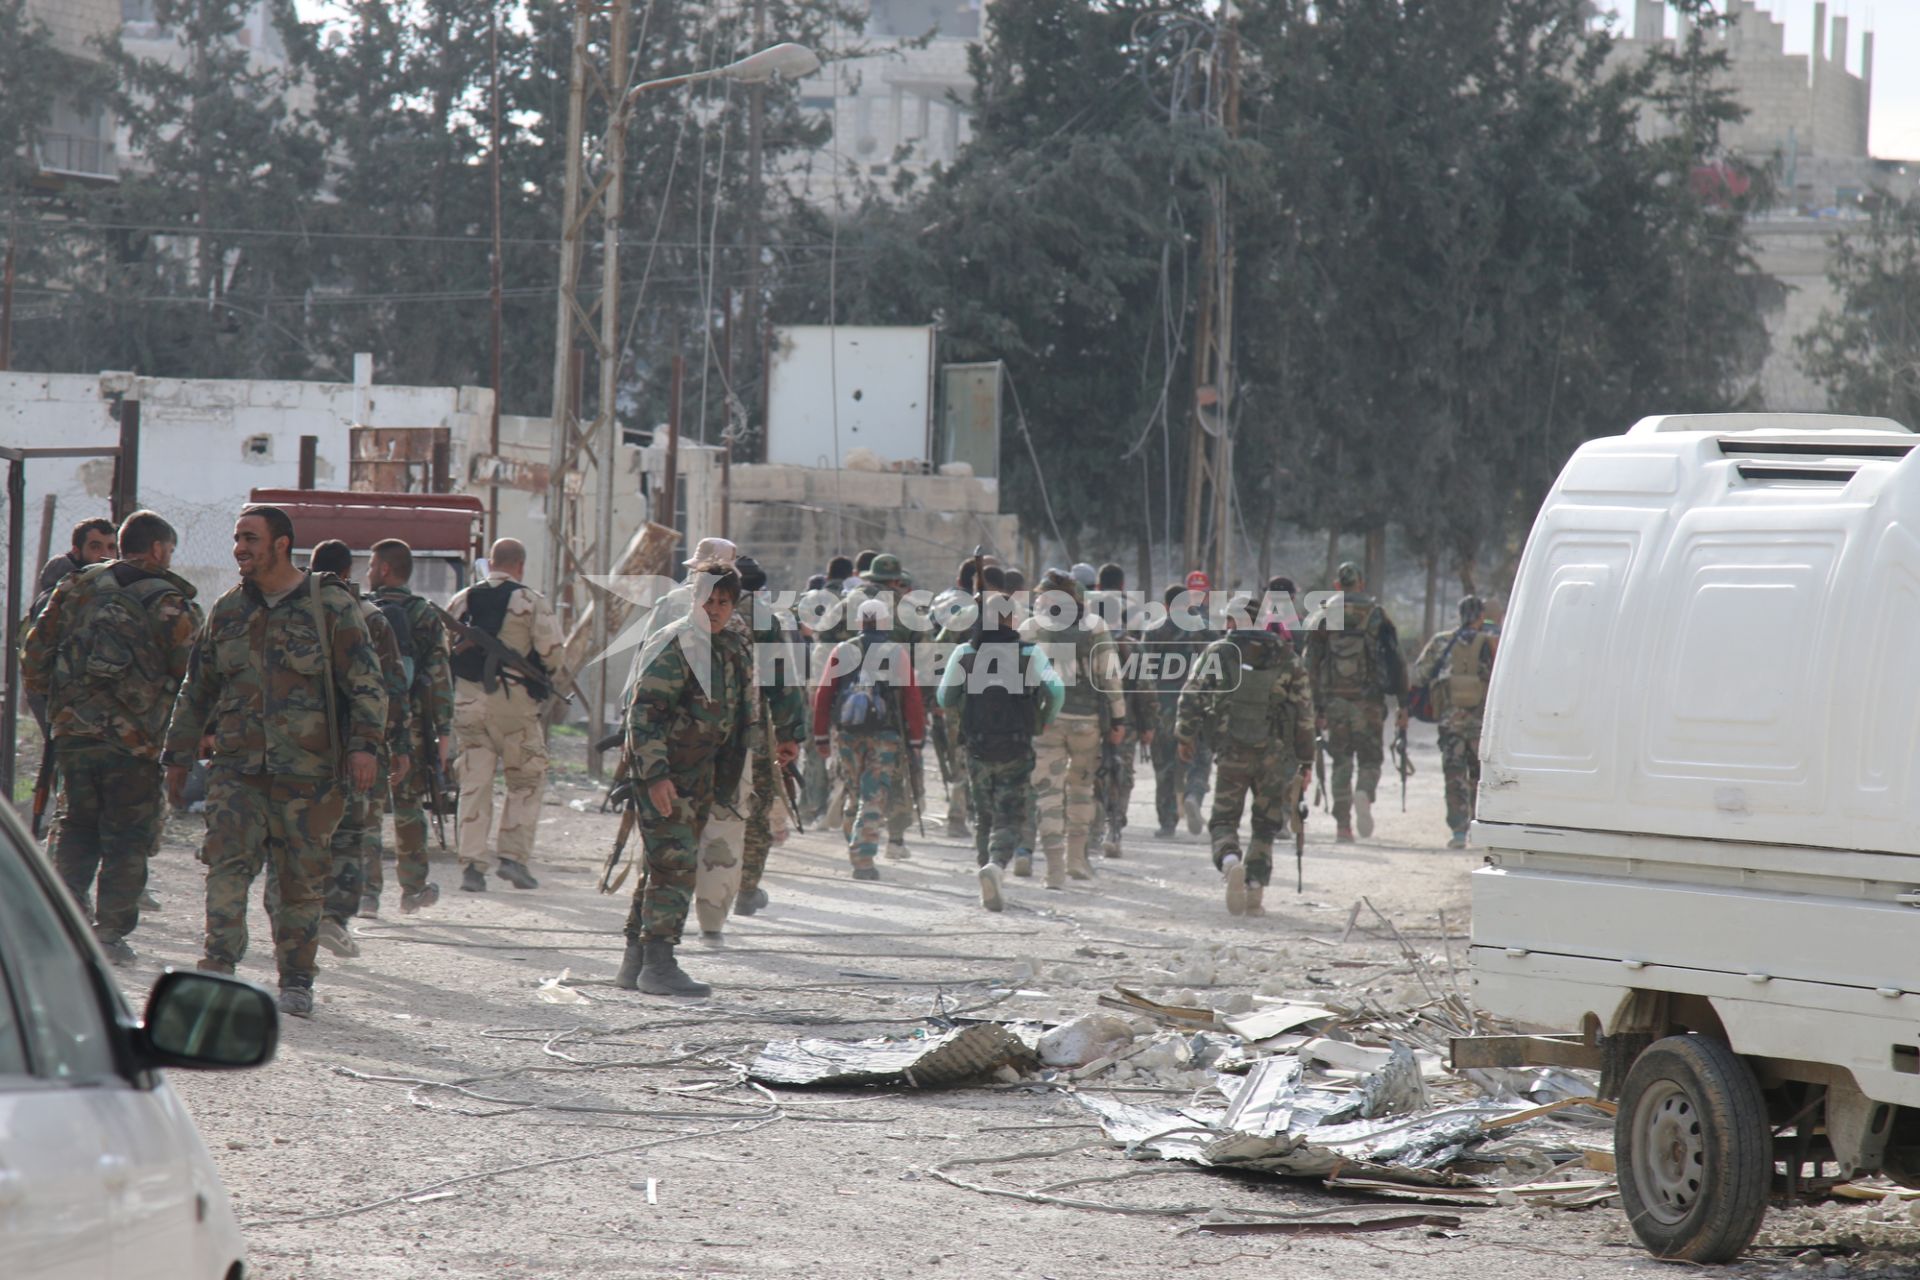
(1197, 581)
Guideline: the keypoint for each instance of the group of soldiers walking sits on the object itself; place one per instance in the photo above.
(309, 706)
(318, 707)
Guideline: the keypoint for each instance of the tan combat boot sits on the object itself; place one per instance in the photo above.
(1254, 893)
(1056, 869)
(1077, 866)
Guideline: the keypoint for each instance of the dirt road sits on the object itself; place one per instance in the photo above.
(635, 1153)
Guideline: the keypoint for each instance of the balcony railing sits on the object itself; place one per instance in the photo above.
(75, 155)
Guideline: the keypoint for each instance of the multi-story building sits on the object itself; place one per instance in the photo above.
(900, 104)
(76, 145)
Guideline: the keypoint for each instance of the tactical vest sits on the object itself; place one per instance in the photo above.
(1082, 698)
(1247, 718)
(395, 612)
(997, 715)
(486, 609)
(1466, 690)
(863, 703)
(1352, 666)
(108, 648)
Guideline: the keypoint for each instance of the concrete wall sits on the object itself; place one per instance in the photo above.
(205, 444)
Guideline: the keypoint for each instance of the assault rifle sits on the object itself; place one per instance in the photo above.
(937, 723)
(623, 792)
(784, 776)
(43, 789)
(430, 774)
(503, 663)
(1402, 765)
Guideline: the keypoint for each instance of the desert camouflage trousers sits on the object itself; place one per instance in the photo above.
(1354, 728)
(871, 769)
(107, 826)
(663, 897)
(499, 730)
(1064, 759)
(1271, 781)
(1460, 763)
(286, 824)
(1002, 793)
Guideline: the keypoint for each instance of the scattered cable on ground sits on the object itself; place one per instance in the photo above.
(745, 1126)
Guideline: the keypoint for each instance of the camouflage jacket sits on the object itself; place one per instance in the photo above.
(1219, 677)
(686, 726)
(255, 683)
(109, 651)
(394, 671)
(776, 652)
(432, 694)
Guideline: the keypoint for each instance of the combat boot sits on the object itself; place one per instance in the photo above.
(370, 906)
(1023, 861)
(1254, 893)
(412, 902)
(628, 979)
(473, 879)
(214, 966)
(897, 850)
(868, 872)
(957, 828)
(1111, 847)
(1056, 869)
(334, 937)
(990, 894)
(1459, 840)
(118, 952)
(661, 974)
(1236, 884)
(1077, 866)
(1363, 813)
(1344, 831)
(1194, 819)
(148, 902)
(296, 1002)
(749, 901)
(516, 874)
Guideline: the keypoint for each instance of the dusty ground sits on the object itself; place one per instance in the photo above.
(812, 1184)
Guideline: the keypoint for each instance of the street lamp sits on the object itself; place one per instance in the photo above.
(784, 61)
(587, 205)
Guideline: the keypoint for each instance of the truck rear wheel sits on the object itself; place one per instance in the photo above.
(1692, 1150)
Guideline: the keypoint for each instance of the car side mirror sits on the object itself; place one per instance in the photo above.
(208, 1021)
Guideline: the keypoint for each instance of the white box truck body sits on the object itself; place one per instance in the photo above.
(1700, 807)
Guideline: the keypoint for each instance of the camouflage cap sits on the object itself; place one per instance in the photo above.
(1348, 574)
(885, 568)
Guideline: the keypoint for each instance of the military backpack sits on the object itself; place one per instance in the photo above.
(109, 646)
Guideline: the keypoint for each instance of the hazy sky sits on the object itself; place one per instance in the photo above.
(1895, 124)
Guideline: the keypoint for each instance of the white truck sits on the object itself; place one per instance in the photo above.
(1700, 810)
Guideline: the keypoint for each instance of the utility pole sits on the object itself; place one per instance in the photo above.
(756, 203)
(493, 426)
(1209, 527)
(595, 184)
(6, 311)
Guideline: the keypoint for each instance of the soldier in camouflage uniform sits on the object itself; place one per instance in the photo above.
(285, 682)
(1067, 752)
(430, 716)
(108, 653)
(953, 603)
(356, 841)
(1113, 786)
(867, 708)
(1249, 695)
(883, 579)
(686, 741)
(1355, 666)
(780, 710)
(1001, 693)
(1456, 665)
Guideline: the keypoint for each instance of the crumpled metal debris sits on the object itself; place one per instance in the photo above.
(922, 1062)
(1276, 1123)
